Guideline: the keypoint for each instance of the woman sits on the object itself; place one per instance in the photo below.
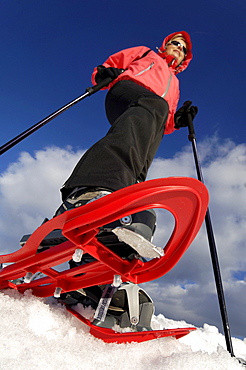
(140, 106)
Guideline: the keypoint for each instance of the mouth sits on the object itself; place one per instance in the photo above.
(176, 54)
(177, 51)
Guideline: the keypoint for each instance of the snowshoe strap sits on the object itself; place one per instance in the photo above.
(144, 247)
(104, 302)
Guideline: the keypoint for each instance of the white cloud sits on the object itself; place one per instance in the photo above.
(29, 192)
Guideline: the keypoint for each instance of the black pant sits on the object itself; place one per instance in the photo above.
(123, 157)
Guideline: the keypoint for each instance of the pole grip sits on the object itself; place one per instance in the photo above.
(105, 82)
(99, 86)
(192, 135)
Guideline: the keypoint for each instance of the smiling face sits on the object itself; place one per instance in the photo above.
(178, 50)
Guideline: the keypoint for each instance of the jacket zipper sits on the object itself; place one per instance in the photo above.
(168, 85)
(168, 82)
(146, 69)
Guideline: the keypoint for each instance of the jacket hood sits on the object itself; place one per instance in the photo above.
(170, 59)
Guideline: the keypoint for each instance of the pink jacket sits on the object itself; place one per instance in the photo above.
(155, 71)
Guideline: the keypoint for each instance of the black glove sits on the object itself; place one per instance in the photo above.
(184, 114)
(103, 72)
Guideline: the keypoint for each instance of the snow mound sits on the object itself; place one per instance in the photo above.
(40, 334)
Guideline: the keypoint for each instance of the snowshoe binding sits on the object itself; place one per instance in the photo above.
(127, 308)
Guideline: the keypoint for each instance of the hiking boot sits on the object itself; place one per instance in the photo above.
(113, 235)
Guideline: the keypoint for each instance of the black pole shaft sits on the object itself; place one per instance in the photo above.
(213, 250)
(32, 129)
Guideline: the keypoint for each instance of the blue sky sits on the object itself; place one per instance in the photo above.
(48, 51)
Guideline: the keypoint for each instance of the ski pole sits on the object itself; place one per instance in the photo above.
(29, 131)
(212, 246)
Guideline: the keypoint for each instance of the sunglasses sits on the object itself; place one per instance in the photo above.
(177, 43)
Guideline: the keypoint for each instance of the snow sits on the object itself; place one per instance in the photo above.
(40, 334)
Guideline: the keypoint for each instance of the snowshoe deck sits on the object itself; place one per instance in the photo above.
(185, 198)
